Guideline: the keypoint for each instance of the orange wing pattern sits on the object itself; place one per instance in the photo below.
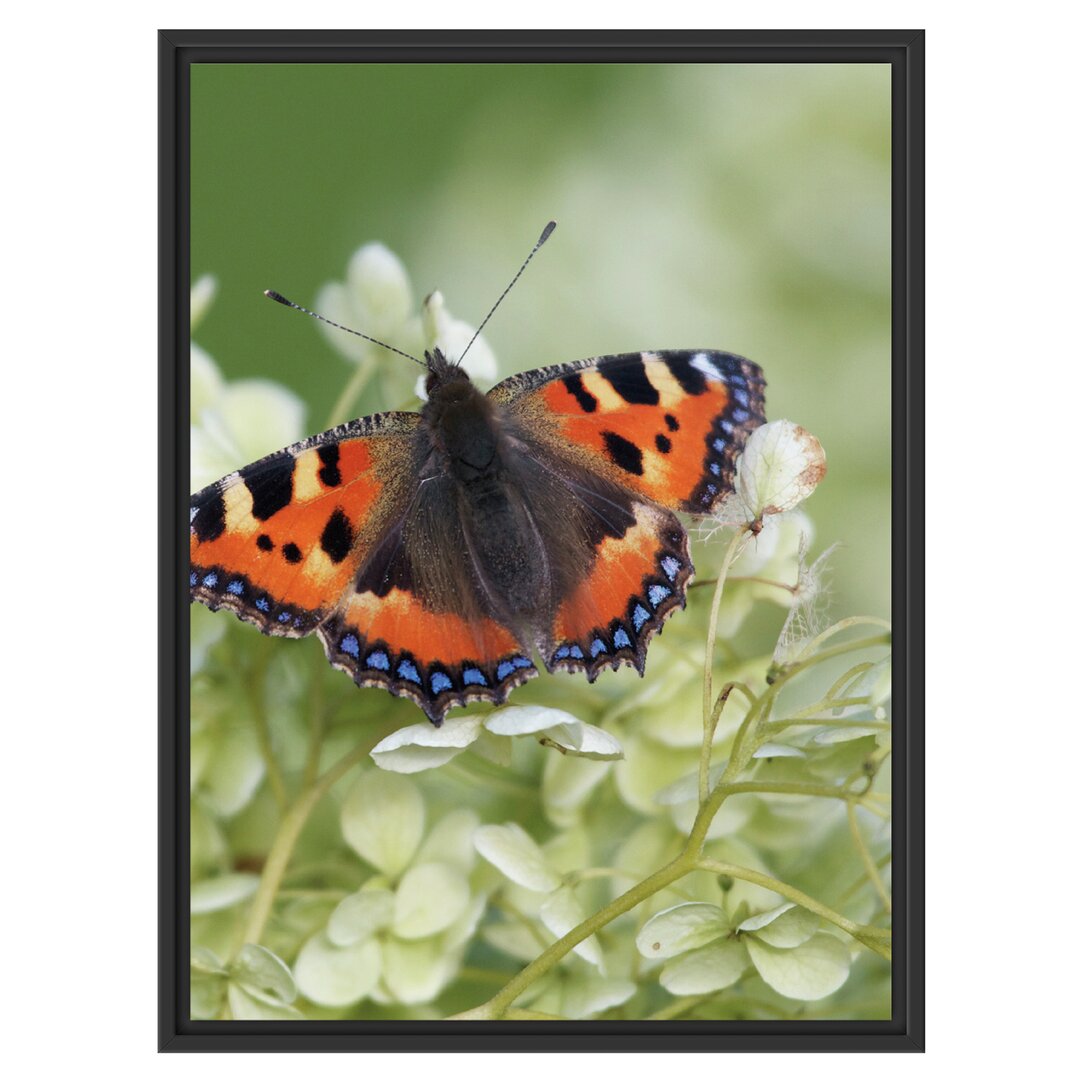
(635, 582)
(667, 425)
(279, 541)
(437, 659)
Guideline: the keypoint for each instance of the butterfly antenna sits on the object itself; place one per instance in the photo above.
(549, 228)
(322, 318)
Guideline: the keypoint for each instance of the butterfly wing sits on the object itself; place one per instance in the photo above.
(633, 438)
(323, 537)
(279, 542)
(667, 425)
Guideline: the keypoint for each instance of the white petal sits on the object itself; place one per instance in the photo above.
(808, 972)
(533, 719)
(382, 820)
(259, 416)
(416, 971)
(219, 893)
(597, 745)
(680, 929)
(334, 977)
(423, 746)
(586, 995)
(429, 898)
(451, 840)
(783, 927)
(379, 291)
(206, 381)
(360, 915)
(510, 849)
(706, 970)
(261, 972)
(203, 292)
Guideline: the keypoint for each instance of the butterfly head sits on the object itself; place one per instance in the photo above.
(442, 372)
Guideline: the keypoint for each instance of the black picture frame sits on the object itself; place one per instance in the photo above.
(903, 50)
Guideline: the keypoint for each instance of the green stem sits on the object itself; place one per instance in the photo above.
(255, 685)
(867, 858)
(344, 406)
(874, 939)
(714, 612)
(845, 624)
(288, 833)
(496, 1007)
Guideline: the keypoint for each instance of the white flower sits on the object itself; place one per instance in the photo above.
(452, 337)
(401, 937)
(421, 746)
(233, 424)
(376, 299)
(704, 953)
(779, 468)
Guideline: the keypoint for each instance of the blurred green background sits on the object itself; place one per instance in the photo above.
(738, 207)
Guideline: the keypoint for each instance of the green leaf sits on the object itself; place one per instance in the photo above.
(219, 893)
(681, 928)
(263, 974)
(360, 916)
(706, 970)
(332, 976)
(783, 927)
(382, 820)
(510, 849)
(808, 972)
(429, 898)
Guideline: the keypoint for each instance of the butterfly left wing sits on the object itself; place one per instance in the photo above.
(279, 542)
(632, 437)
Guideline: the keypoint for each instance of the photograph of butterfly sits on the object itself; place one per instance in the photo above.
(435, 553)
(522, 800)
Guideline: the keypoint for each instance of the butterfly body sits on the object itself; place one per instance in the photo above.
(436, 553)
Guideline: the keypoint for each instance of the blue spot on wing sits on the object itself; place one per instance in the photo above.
(378, 660)
(262, 604)
(503, 670)
(407, 670)
(440, 682)
(473, 677)
(740, 416)
(561, 653)
(236, 588)
(194, 577)
(671, 567)
(714, 468)
(576, 653)
(719, 445)
(350, 645)
(597, 647)
(210, 580)
(621, 639)
(742, 397)
(641, 617)
(521, 662)
(658, 593)
(283, 617)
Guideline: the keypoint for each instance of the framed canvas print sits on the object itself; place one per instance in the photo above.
(577, 338)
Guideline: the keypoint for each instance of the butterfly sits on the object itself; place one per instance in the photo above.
(436, 553)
